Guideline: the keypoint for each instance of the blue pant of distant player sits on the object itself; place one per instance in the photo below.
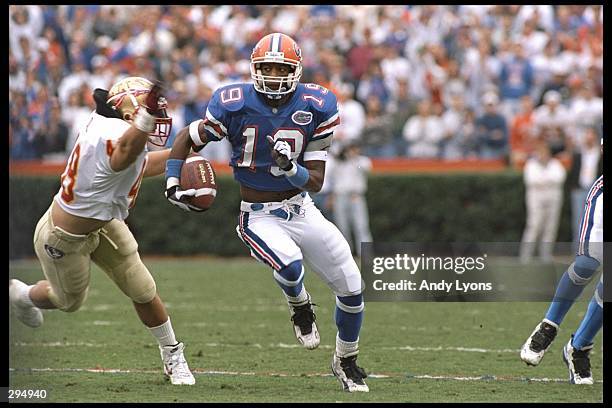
(283, 234)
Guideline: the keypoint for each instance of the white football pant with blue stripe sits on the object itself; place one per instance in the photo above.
(295, 230)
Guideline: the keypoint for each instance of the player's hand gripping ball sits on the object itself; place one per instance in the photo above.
(197, 173)
(281, 153)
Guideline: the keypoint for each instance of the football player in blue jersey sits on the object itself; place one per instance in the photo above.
(588, 260)
(280, 131)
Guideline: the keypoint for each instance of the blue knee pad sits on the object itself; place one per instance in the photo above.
(349, 316)
(290, 278)
(583, 269)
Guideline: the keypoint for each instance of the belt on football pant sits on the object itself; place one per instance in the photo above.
(285, 209)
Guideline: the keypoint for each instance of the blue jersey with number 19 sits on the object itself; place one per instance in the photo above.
(306, 121)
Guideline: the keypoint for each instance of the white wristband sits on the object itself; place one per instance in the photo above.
(292, 171)
(144, 121)
(172, 181)
(194, 133)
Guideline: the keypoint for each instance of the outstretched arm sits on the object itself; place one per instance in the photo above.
(156, 162)
(131, 144)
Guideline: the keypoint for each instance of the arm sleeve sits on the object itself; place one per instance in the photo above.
(214, 121)
(319, 143)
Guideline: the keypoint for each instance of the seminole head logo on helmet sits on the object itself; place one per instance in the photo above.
(276, 48)
(129, 95)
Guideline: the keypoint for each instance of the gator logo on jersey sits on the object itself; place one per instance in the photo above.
(301, 118)
(53, 252)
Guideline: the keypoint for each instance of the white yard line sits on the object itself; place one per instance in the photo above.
(489, 378)
(283, 345)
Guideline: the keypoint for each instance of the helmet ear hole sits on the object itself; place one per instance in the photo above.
(127, 116)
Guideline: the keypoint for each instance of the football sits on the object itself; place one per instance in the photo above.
(198, 173)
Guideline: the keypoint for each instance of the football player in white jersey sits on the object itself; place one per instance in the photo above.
(85, 221)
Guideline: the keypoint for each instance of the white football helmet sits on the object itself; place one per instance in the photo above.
(129, 95)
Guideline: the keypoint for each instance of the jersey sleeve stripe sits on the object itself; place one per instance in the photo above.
(211, 118)
(215, 126)
(326, 129)
(328, 121)
(212, 132)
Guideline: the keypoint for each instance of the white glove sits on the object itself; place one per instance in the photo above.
(281, 154)
(174, 195)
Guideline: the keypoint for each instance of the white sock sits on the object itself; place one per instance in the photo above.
(346, 348)
(164, 334)
(301, 299)
(25, 296)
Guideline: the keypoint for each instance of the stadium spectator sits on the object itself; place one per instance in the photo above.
(350, 207)
(586, 111)
(516, 80)
(353, 116)
(552, 118)
(372, 83)
(492, 130)
(522, 134)
(557, 82)
(544, 177)
(23, 140)
(480, 68)
(437, 50)
(360, 56)
(53, 136)
(459, 131)
(401, 107)
(376, 137)
(423, 132)
(75, 114)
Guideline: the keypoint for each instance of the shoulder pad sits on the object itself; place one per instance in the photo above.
(231, 97)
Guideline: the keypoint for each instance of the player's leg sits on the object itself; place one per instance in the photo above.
(576, 351)
(342, 209)
(326, 250)
(535, 221)
(571, 284)
(65, 262)
(271, 244)
(550, 227)
(117, 255)
(573, 281)
(361, 221)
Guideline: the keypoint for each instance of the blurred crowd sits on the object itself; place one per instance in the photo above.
(448, 82)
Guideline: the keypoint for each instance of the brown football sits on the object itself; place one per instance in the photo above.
(198, 173)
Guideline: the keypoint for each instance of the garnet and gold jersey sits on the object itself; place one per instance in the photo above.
(90, 188)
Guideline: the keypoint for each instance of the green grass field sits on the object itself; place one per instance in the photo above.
(240, 345)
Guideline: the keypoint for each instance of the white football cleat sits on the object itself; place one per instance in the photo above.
(304, 325)
(578, 363)
(539, 342)
(349, 374)
(175, 365)
(28, 315)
